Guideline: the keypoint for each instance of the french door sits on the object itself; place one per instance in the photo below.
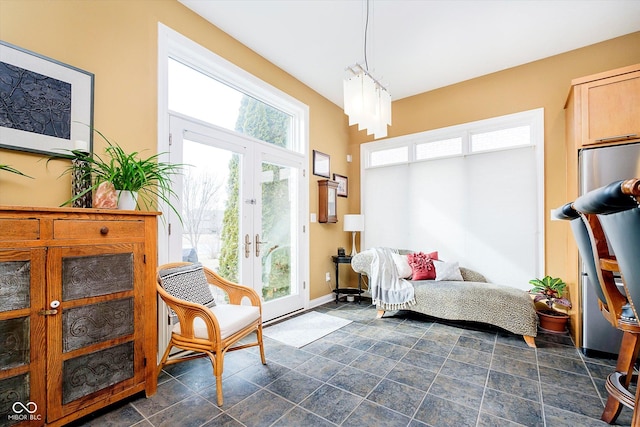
(239, 201)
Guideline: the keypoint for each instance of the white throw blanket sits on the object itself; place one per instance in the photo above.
(389, 291)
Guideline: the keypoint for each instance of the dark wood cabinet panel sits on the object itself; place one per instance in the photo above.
(15, 283)
(14, 342)
(22, 333)
(16, 389)
(84, 375)
(94, 323)
(93, 275)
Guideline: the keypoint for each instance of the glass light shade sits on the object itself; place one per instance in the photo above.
(366, 102)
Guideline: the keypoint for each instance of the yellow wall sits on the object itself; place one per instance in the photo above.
(117, 41)
(544, 83)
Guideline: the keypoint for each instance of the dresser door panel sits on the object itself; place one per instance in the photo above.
(95, 341)
(14, 342)
(15, 285)
(22, 337)
(95, 371)
(93, 323)
(93, 275)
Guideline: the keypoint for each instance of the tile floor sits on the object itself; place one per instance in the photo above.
(402, 370)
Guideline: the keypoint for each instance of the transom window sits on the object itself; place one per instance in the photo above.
(390, 156)
(195, 94)
(499, 133)
(500, 139)
(436, 149)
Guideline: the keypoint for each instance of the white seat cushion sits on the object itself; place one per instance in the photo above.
(231, 319)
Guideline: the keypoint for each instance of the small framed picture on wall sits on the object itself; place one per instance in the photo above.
(321, 164)
(343, 184)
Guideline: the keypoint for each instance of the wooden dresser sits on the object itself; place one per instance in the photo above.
(602, 109)
(77, 311)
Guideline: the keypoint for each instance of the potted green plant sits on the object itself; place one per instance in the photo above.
(552, 291)
(12, 170)
(142, 179)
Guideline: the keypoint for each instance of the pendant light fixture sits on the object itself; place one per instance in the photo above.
(366, 101)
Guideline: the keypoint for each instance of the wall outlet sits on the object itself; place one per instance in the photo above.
(327, 276)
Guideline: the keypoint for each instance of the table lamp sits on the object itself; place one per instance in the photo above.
(353, 223)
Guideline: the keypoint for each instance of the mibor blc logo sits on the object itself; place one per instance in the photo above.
(24, 412)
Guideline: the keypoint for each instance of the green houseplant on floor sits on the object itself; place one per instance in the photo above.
(552, 291)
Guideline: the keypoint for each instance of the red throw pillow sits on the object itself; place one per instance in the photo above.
(422, 267)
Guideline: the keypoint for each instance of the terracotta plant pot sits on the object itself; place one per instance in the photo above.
(553, 321)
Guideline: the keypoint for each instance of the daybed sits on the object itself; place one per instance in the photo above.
(472, 299)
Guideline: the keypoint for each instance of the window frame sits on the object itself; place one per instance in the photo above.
(175, 45)
(532, 118)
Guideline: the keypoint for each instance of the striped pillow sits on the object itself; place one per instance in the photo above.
(187, 283)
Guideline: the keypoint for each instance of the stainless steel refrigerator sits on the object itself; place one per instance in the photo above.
(600, 166)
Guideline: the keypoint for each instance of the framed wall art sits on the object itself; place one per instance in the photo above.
(321, 163)
(343, 184)
(46, 106)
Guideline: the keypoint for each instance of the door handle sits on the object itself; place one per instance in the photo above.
(258, 243)
(54, 305)
(247, 243)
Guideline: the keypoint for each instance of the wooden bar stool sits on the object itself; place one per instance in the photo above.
(612, 214)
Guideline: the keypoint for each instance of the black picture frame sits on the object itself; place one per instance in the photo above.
(321, 164)
(49, 109)
(343, 185)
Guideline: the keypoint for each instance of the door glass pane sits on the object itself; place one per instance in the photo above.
(210, 208)
(278, 250)
(198, 95)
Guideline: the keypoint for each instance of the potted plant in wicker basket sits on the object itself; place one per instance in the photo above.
(552, 291)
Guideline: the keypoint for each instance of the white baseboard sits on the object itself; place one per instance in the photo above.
(322, 300)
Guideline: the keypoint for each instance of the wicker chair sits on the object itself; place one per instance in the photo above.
(208, 329)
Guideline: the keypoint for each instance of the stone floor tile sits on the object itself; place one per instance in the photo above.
(331, 403)
(436, 411)
(405, 369)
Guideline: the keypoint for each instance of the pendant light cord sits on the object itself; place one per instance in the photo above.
(366, 31)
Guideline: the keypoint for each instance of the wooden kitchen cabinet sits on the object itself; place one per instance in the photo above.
(601, 110)
(75, 288)
(608, 106)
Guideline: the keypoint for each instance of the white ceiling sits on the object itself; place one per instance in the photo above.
(414, 45)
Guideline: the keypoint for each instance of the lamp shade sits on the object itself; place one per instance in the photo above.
(353, 223)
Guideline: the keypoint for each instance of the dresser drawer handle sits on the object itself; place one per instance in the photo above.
(104, 231)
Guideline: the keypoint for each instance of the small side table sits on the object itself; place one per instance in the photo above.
(337, 260)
